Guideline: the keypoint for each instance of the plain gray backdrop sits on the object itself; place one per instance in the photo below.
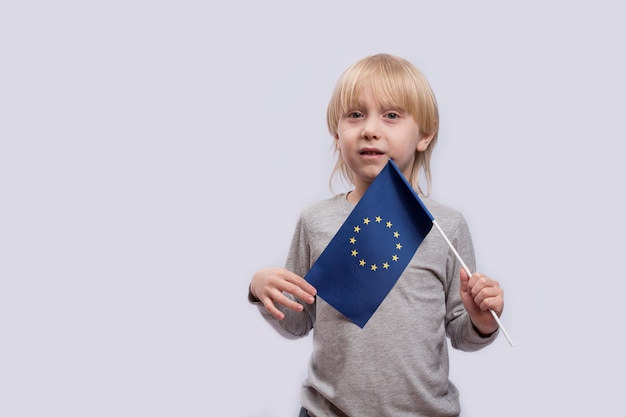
(153, 155)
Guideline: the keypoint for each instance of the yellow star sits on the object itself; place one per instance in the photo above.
(386, 265)
(378, 219)
(357, 229)
(352, 240)
(396, 235)
(374, 267)
(389, 224)
(398, 246)
(362, 262)
(355, 252)
(366, 220)
(394, 258)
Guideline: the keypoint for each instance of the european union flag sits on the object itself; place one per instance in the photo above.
(363, 261)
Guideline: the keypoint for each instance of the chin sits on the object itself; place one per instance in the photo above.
(368, 175)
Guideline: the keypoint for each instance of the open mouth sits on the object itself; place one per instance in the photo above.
(371, 153)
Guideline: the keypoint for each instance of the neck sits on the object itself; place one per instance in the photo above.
(354, 196)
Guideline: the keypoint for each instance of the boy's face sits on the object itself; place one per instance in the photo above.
(372, 133)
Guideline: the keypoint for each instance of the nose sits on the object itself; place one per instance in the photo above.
(370, 129)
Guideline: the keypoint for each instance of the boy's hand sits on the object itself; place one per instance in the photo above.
(480, 293)
(268, 285)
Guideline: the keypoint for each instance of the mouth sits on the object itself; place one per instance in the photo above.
(371, 152)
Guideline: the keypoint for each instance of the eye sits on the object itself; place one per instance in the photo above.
(354, 115)
(392, 115)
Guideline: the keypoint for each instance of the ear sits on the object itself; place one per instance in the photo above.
(423, 142)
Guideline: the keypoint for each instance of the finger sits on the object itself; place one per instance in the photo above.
(271, 307)
(482, 296)
(280, 298)
(271, 302)
(299, 287)
(490, 298)
(478, 282)
(301, 283)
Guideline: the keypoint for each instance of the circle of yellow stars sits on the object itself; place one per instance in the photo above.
(363, 262)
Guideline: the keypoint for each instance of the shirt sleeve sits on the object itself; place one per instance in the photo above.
(459, 328)
(295, 324)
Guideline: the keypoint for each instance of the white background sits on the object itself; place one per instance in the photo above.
(154, 154)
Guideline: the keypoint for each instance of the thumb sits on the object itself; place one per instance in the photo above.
(464, 280)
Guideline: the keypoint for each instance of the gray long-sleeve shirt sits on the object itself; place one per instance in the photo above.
(397, 365)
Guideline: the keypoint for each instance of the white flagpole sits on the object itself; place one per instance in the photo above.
(469, 274)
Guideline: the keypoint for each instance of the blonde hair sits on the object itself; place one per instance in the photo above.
(393, 80)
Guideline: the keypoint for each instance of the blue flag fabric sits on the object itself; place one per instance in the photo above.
(365, 258)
